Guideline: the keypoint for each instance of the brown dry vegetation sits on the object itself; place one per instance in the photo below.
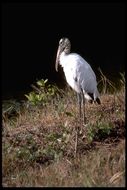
(44, 145)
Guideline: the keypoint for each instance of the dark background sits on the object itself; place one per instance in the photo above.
(31, 32)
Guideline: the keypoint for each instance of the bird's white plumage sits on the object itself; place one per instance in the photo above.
(79, 74)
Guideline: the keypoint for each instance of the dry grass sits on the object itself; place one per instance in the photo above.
(39, 144)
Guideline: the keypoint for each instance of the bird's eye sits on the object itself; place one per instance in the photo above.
(61, 42)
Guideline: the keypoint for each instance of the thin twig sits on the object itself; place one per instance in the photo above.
(35, 88)
(76, 143)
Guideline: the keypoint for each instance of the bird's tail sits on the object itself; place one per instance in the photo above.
(92, 98)
(97, 100)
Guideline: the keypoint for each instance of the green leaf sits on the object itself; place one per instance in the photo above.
(40, 83)
(45, 81)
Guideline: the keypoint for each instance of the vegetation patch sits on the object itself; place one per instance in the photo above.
(44, 143)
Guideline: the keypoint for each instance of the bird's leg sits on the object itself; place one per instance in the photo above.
(76, 131)
(79, 102)
(83, 107)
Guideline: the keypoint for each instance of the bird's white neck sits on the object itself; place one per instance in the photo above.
(63, 58)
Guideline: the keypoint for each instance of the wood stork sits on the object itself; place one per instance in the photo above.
(79, 75)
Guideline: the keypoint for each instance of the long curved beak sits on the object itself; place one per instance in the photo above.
(57, 59)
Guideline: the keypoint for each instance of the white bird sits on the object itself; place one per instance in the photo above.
(79, 74)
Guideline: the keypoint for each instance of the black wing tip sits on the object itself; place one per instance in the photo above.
(98, 101)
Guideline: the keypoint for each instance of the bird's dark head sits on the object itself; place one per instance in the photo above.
(64, 45)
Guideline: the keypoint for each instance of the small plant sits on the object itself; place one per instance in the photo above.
(10, 108)
(98, 131)
(105, 84)
(42, 93)
(104, 130)
(90, 132)
(57, 143)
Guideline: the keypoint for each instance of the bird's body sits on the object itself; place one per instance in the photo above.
(78, 73)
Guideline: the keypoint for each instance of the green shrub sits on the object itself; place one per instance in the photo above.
(42, 93)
